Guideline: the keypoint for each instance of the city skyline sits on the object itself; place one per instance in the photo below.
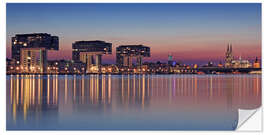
(241, 26)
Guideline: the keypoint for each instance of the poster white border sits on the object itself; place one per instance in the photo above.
(265, 65)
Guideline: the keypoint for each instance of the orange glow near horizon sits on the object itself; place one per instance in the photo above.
(180, 51)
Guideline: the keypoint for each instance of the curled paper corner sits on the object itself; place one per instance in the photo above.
(249, 120)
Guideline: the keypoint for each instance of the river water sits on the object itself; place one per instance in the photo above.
(129, 102)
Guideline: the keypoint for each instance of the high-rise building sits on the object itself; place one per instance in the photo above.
(229, 56)
(125, 54)
(33, 60)
(90, 53)
(35, 40)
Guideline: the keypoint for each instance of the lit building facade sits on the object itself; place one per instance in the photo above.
(35, 40)
(125, 54)
(90, 53)
(33, 60)
(241, 63)
(65, 67)
(230, 62)
(256, 63)
(229, 56)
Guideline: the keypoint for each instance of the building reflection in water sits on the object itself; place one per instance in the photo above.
(92, 89)
(134, 90)
(34, 94)
(30, 94)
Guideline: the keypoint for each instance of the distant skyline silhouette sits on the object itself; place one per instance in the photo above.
(192, 33)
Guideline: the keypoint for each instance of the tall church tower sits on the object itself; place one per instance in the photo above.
(229, 56)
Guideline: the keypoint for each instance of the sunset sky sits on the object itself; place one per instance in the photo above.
(192, 33)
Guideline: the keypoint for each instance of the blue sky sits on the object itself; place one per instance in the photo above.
(166, 28)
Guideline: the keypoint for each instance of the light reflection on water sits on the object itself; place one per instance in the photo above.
(129, 102)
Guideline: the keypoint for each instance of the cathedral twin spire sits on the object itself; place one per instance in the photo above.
(229, 56)
(229, 48)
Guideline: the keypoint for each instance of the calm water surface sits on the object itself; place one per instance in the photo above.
(129, 102)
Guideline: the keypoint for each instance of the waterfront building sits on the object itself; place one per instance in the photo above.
(108, 69)
(209, 64)
(220, 64)
(170, 59)
(231, 63)
(256, 63)
(33, 60)
(34, 40)
(53, 66)
(125, 54)
(229, 56)
(90, 53)
(241, 63)
(10, 68)
(65, 67)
